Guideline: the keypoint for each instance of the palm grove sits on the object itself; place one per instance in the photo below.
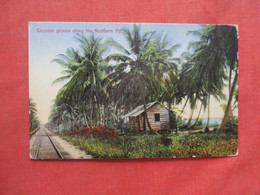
(101, 86)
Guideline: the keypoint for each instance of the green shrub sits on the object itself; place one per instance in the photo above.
(217, 143)
(98, 148)
(205, 145)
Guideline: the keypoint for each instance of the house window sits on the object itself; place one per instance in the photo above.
(137, 119)
(156, 117)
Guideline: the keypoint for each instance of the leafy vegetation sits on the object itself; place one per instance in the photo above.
(100, 87)
(153, 146)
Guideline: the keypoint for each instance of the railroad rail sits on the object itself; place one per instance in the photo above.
(38, 148)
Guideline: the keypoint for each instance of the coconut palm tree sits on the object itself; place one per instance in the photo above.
(132, 72)
(231, 40)
(164, 80)
(91, 75)
(140, 67)
(216, 54)
(209, 63)
(84, 70)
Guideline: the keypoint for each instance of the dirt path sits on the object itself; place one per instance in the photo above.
(65, 148)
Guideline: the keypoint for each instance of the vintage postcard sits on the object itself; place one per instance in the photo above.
(131, 90)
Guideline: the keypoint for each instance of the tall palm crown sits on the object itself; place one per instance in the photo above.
(70, 61)
(140, 67)
(131, 71)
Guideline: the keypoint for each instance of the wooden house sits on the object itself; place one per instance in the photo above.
(158, 116)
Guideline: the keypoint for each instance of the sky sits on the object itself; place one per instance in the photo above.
(47, 40)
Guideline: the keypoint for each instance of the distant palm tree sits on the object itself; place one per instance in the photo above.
(34, 122)
(32, 107)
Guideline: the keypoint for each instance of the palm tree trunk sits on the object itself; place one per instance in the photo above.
(76, 125)
(91, 115)
(145, 113)
(85, 118)
(229, 88)
(207, 125)
(184, 105)
(229, 79)
(169, 104)
(197, 116)
(98, 115)
(225, 118)
(232, 115)
(71, 120)
(105, 115)
(114, 115)
(190, 118)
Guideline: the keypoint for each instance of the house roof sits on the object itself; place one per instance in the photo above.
(139, 110)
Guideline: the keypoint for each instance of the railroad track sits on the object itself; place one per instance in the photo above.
(46, 148)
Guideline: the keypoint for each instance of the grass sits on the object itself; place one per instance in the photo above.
(158, 146)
